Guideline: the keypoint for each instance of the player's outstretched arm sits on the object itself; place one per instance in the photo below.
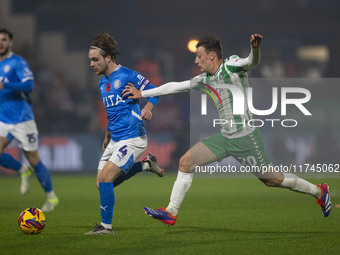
(165, 89)
(254, 56)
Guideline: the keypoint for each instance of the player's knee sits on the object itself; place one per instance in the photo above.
(272, 182)
(184, 163)
(101, 178)
(32, 157)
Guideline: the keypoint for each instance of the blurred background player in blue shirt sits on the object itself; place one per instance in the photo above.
(125, 139)
(17, 119)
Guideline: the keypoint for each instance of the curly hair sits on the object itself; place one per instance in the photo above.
(106, 44)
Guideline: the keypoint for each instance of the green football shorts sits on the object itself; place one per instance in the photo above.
(248, 150)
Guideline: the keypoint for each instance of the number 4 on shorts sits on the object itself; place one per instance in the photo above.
(123, 150)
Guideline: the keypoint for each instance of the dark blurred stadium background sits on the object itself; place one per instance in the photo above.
(301, 39)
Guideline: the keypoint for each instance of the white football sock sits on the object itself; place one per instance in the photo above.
(145, 166)
(295, 183)
(109, 226)
(50, 195)
(180, 188)
(23, 169)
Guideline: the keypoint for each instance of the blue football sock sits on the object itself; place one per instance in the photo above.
(107, 201)
(43, 176)
(136, 168)
(6, 160)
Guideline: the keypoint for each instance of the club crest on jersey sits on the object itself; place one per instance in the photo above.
(116, 84)
(108, 87)
(7, 68)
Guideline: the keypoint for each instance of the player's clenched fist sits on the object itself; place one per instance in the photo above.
(255, 40)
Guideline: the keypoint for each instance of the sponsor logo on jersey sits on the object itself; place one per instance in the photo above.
(112, 100)
(4, 79)
(116, 84)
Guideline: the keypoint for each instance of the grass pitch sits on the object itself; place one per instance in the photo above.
(218, 216)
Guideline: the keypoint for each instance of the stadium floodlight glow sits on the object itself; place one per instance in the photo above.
(192, 45)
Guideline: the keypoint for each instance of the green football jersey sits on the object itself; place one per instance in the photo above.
(232, 71)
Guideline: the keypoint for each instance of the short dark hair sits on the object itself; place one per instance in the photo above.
(107, 44)
(211, 43)
(7, 32)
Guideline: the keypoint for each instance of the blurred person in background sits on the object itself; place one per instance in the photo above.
(17, 120)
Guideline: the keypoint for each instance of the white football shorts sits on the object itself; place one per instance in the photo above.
(123, 153)
(26, 133)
